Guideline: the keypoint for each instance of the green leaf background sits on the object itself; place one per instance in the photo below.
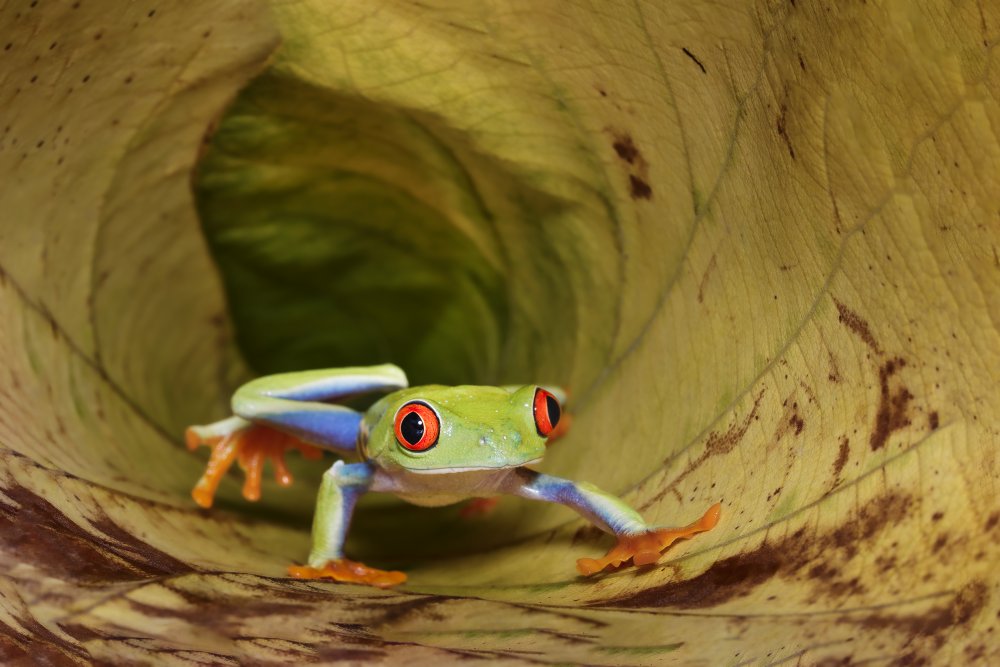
(758, 242)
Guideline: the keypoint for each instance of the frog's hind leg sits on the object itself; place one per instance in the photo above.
(301, 403)
(342, 485)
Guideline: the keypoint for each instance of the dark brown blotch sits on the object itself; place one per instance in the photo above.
(859, 326)
(965, 606)
(639, 188)
(816, 558)
(625, 148)
(893, 404)
(728, 579)
(797, 423)
(843, 454)
(781, 124)
(39, 534)
(886, 563)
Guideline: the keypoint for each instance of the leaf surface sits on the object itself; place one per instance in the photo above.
(758, 242)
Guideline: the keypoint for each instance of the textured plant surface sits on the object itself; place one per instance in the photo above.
(760, 242)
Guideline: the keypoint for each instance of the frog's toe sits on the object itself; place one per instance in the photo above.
(349, 572)
(260, 443)
(645, 548)
(224, 452)
(251, 444)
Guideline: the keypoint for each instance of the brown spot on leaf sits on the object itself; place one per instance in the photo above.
(892, 409)
(39, 534)
(391, 613)
(715, 445)
(226, 615)
(933, 421)
(801, 556)
(31, 643)
(871, 519)
(968, 602)
(842, 455)
(782, 131)
(639, 188)
(886, 563)
(797, 423)
(27, 648)
(975, 653)
(860, 327)
(626, 149)
(730, 578)
(809, 392)
(723, 443)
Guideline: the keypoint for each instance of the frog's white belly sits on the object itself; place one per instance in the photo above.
(441, 488)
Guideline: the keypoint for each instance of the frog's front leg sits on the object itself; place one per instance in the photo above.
(637, 540)
(342, 485)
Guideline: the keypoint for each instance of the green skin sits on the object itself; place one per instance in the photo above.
(487, 436)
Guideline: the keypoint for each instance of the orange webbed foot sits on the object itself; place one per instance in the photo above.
(349, 572)
(478, 507)
(251, 445)
(646, 548)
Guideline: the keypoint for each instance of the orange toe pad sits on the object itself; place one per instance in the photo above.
(645, 548)
(349, 572)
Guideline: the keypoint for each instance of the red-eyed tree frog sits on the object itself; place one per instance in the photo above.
(431, 445)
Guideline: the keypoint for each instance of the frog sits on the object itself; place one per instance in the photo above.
(429, 445)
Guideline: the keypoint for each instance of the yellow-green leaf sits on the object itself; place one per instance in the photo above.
(760, 242)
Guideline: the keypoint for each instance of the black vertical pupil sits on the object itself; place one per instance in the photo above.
(552, 405)
(412, 428)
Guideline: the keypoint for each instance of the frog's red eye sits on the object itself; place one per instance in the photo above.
(417, 426)
(547, 411)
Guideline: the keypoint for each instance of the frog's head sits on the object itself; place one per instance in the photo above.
(436, 429)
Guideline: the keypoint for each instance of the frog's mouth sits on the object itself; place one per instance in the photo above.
(442, 471)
